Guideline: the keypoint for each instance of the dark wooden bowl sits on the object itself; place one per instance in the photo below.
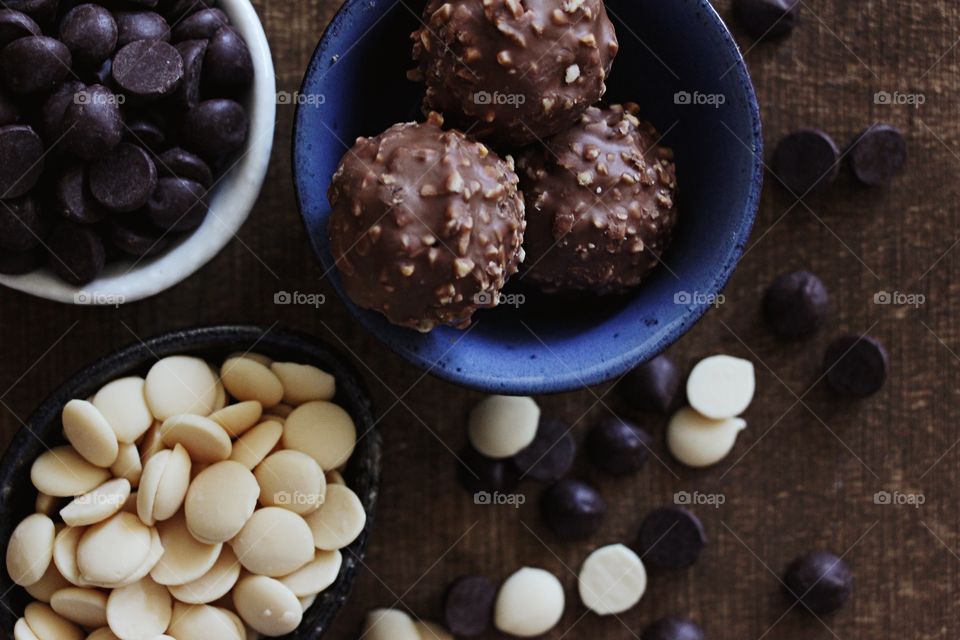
(43, 430)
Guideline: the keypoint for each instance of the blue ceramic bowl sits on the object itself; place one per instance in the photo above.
(679, 62)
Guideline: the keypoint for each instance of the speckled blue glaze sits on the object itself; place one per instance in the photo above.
(550, 345)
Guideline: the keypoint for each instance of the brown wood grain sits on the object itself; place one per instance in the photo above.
(808, 467)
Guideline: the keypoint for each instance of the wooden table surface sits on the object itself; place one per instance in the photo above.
(802, 476)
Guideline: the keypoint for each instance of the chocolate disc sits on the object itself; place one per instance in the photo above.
(878, 155)
(227, 64)
(200, 26)
(468, 606)
(806, 161)
(551, 454)
(618, 447)
(572, 509)
(22, 224)
(21, 160)
(147, 69)
(654, 386)
(671, 538)
(90, 32)
(124, 180)
(138, 240)
(856, 365)
(177, 204)
(215, 128)
(821, 581)
(53, 109)
(73, 199)
(146, 134)
(92, 124)
(796, 305)
(15, 25)
(478, 473)
(181, 163)
(34, 64)
(192, 52)
(140, 25)
(76, 253)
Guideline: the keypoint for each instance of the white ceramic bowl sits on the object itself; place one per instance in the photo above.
(230, 202)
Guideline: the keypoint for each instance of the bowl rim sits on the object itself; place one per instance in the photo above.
(120, 282)
(352, 393)
(612, 368)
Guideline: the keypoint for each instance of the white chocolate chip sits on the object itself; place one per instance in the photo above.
(502, 426)
(21, 631)
(151, 443)
(128, 465)
(256, 444)
(274, 542)
(204, 439)
(111, 551)
(65, 554)
(291, 480)
(90, 433)
(316, 575)
(721, 387)
(530, 603)
(85, 607)
(612, 580)
(184, 558)
(179, 385)
(212, 585)
(30, 549)
(204, 622)
(697, 441)
(237, 418)
(247, 379)
(267, 605)
(124, 405)
(173, 484)
(304, 382)
(339, 521)
(323, 431)
(389, 624)
(47, 624)
(97, 505)
(63, 473)
(140, 610)
(220, 501)
(49, 584)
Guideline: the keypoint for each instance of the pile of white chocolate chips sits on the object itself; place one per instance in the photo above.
(189, 505)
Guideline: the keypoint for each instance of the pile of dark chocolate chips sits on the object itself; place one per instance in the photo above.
(115, 118)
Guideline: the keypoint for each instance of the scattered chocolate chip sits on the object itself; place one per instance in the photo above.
(147, 69)
(878, 155)
(181, 163)
(140, 25)
(618, 447)
(671, 538)
(34, 64)
(551, 454)
(477, 472)
(767, 19)
(77, 254)
(192, 52)
(821, 581)
(806, 161)
(21, 160)
(673, 628)
(654, 386)
(15, 25)
(22, 224)
(124, 180)
(90, 32)
(572, 509)
(200, 26)
(215, 128)
(856, 365)
(468, 606)
(73, 200)
(796, 305)
(15, 263)
(92, 124)
(177, 204)
(227, 63)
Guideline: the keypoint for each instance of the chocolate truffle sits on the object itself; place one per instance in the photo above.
(600, 204)
(513, 71)
(426, 225)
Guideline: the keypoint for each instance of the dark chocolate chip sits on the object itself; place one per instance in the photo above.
(73, 200)
(228, 64)
(177, 204)
(572, 509)
(90, 32)
(147, 69)
(77, 254)
(654, 386)
(192, 52)
(22, 224)
(177, 10)
(9, 111)
(181, 163)
(15, 25)
(147, 134)
(821, 581)
(53, 109)
(673, 628)
(478, 473)
(16, 263)
(34, 64)
(124, 180)
(138, 241)
(468, 606)
(878, 155)
(856, 365)
(767, 19)
(140, 25)
(215, 128)
(618, 447)
(40, 10)
(671, 538)
(551, 454)
(806, 161)
(92, 124)
(201, 26)
(21, 160)
(796, 305)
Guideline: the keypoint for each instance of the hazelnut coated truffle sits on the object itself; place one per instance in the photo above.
(513, 71)
(426, 225)
(600, 204)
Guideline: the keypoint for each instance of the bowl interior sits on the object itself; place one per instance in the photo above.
(43, 430)
(231, 200)
(680, 64)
